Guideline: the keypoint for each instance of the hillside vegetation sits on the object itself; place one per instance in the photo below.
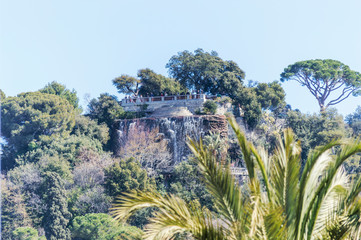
(60, 177)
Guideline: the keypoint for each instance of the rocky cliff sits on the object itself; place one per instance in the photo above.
(175, 129)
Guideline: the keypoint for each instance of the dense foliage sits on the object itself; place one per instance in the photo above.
(60, 90)
(125, 176)
(60, 174)
(317, 203)
(206, 71)
(148, 83)
(105, 109)
(56, 215)
(31, 116)
(100, 226)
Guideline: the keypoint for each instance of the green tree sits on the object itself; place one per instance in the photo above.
(125, 176)
(186, 183)
(56, 216)
(206, 71)
(60, 90)
(2, 95)
(100, 226)
(105, 109)
(354, 121)
(316, 129)
(56, 165)
(153, 83)
(147, 82)
(28, 117)
(86, 127)
(325, 79)
(261, 96)
(251, 108)
(316, 203)
(68, 148)
(270, 95)
(127, 84)
(26, 233)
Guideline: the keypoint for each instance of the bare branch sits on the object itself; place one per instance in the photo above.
(340, 98)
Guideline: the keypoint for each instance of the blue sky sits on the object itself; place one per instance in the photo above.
(84, 44)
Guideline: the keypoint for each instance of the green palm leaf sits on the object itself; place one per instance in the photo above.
(174, 216)
(221, 184)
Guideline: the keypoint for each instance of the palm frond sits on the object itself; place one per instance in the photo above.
(275, 224)
(354, 218)
(330, 211)
(353, 209)
(174, 216)
(201, 224)
(285, 177)
(256, 226)
(220, 183)
(251, 156)
(306, 186)
(315, 203)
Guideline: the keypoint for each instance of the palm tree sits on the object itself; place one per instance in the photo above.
(279, 202)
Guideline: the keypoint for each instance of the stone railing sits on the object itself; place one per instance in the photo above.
(158, 99)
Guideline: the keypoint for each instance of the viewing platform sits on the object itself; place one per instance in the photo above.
(141, 100)
(189, 101)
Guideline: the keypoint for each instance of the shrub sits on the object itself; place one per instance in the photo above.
(210, 107)
(100, 226)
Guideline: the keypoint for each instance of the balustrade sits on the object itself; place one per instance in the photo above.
(140, 100)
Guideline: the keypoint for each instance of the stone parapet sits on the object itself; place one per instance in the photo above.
(190, 101)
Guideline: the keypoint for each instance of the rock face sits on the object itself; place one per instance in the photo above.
(175, 130)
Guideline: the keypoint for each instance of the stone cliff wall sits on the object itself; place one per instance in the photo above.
(175, 130)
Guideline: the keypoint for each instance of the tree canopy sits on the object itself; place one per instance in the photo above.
(2, 95)
(26, 233)
(270, 95)
(57, 216)
(30, 115)
(127, 84)
(206, 71)
(354, 120)
(124, 176)
(105, 109)
(147, 82)
(153, 83)
(60, 90)
(325, 78)
(100, 226)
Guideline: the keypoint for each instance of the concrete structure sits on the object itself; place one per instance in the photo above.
(176, 103)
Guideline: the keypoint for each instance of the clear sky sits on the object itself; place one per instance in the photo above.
(84, 44)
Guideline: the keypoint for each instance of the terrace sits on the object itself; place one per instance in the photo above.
(191, 101)
(141, 100)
